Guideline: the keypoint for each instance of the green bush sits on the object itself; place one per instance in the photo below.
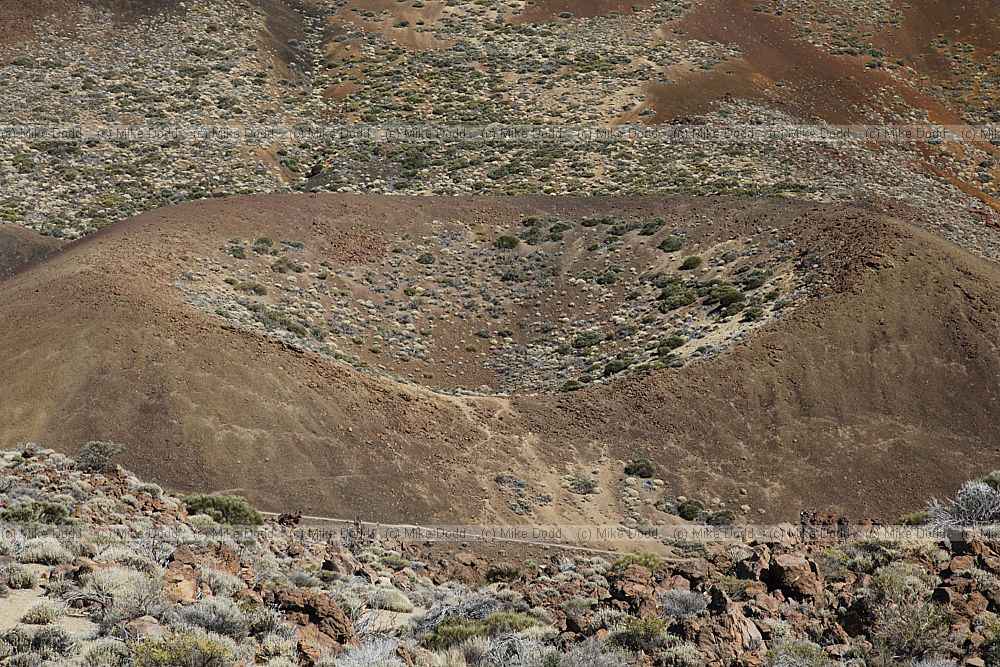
(732, 586)
(395, 562)
(251, 287)
(457, 629)
(453, 631)
(640, 468)
(426, 258)
(508, 572)
(284, 265)
(913, 519)
(184, 648)
(691, 263)
(672, 243)
(507, 621)
(725, 295)
(671, 343)
(96, 456)
(18, 577)
(587, 339)
(641, 634)
(582, 485)
(507, 242)
(646, 559)
(232, 510)
(690, 509)
(797, 653)
(616, 366)
(674, 299)
(722, 518)
(43, 612)
(36, 511)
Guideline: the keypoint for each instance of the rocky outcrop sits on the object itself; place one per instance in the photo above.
(323, 626)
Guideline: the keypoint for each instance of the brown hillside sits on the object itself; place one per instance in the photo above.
(19, 246)
(885, 387)
(17, 18)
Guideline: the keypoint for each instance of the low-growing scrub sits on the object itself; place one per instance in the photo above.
(230, 510)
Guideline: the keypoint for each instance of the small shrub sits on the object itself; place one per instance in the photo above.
(426, 258)
(733, 587)
(43, 612)
(34, 511)
(832, 562)
(125, 595)
(899, 582)
(644, 558)
(691, 263)
(222, 583)
(690, 509)
(908, 631)
(373, 652)
(389, 599)
(19, 577)
(507, 621)
(284, 265)
(679, 603)
(616, 366)
(975, 504)
(797, 654)
(53, 641)
(587, 339)
(232, 510)
(507, 572)
(108, 653)
(45, 551)
(251, 287)
(722, 518)
(682, 655)
(914, 518)
(457, 629)
(123, 555)
(394, 562)
(453, 631)
(641, 468)
(583, 486)
(641, 634)
(96, 456)
(671, 342)
(593, 653)
(989, 650)
(217, 615)
(303, 579)
(672, 243)
(185, 647)
(507, 242)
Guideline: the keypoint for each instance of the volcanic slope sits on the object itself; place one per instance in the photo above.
(19, 246)
(873, 388)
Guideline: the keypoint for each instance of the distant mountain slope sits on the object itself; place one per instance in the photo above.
(877, 393)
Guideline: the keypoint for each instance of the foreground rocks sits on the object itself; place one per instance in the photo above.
(285, 594)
